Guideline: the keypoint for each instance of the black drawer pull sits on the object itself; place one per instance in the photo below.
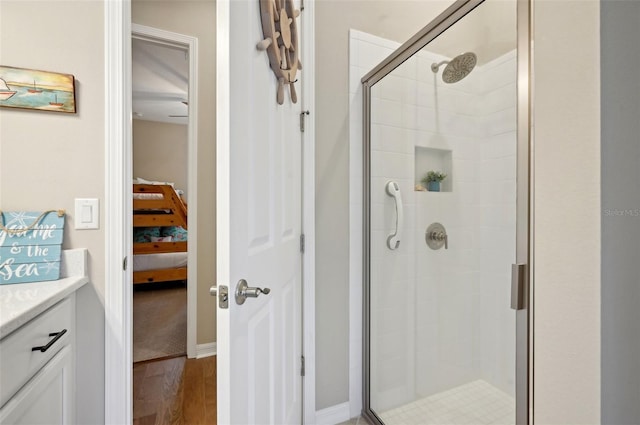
(57, 336)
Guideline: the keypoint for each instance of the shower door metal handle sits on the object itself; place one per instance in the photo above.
(518, 286)
(393, 190)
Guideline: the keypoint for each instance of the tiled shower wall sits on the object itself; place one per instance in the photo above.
(439, 318)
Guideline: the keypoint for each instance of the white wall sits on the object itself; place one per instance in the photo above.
(47, 159)
(160, 152)
(567, 212)
(621, 212)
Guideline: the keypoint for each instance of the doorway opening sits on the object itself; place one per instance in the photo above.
(164, 233)
(118, 369)
(160, 91)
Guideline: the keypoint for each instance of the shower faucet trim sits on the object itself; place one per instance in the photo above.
(436, 236)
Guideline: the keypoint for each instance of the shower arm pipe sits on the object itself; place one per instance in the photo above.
(436, 66)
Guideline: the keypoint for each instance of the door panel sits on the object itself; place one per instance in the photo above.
(259, 202)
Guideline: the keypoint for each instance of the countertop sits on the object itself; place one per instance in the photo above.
(22, 302)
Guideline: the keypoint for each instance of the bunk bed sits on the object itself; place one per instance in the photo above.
(158, 257)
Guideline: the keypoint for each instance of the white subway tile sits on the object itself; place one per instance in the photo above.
(500, 75)
(370, 55)
(501, 122)
(355, 75)
(407, 69)
(389, 139)
(409, 91)
(497, 100)
(426, 95)
(386, 112)
(389, 88)
(409, 116)
(427, 120)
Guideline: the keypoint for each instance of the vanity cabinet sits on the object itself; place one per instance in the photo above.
(37, 377)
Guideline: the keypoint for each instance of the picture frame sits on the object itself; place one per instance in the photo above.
(38, 90)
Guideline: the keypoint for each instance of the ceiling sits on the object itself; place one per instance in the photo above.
(160, 82)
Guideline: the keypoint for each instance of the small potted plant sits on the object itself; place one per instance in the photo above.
(432, 180)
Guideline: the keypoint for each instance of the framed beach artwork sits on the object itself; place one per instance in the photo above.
(40, 90)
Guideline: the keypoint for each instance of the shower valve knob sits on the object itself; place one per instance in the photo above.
(436, 236)
(441, 236)
(446, 240)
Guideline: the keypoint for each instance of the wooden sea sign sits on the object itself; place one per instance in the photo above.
(30, 246)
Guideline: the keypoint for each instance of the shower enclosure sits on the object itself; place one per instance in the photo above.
(446, 285)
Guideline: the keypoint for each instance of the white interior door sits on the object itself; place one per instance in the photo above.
(259, 226)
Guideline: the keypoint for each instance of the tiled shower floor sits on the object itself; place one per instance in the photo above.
(474, 403)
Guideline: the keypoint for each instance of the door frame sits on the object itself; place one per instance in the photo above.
(159, 36)
(308, 103)
(117, 350)
(118, 406)
(524, 191)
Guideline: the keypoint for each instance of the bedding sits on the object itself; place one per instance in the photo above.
(162, 239)
(176, 233)
(140, 180)
(170, 260)
(145, 234)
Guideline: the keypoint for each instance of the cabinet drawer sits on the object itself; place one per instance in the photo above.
(19, 361)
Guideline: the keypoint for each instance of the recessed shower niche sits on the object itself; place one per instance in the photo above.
(432, 159)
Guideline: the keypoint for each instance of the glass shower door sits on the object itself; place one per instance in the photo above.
(441, 187)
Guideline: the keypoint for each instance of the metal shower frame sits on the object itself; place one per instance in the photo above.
(524, 204)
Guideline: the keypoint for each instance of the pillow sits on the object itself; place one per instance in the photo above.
(177, 233)
(144, 234)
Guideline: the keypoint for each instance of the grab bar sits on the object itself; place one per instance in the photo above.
(393, 190)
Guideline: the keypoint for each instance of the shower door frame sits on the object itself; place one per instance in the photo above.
(524, 193)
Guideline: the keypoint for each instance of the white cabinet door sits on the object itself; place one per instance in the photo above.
(259, 225)
(47, 399)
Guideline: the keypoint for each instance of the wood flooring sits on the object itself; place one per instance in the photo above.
(175, 391)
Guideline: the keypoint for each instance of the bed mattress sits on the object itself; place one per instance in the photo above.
(169, 260)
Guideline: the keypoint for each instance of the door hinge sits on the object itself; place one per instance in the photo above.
(124, 264)
(302, 243)
(302, 120)
(301, 5)
(302, 368)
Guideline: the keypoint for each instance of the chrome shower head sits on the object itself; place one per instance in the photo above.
(457, 68)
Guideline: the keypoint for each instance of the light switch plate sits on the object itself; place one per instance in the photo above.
(87, 214)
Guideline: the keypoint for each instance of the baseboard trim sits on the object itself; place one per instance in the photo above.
(333, 415)
(206, 350)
